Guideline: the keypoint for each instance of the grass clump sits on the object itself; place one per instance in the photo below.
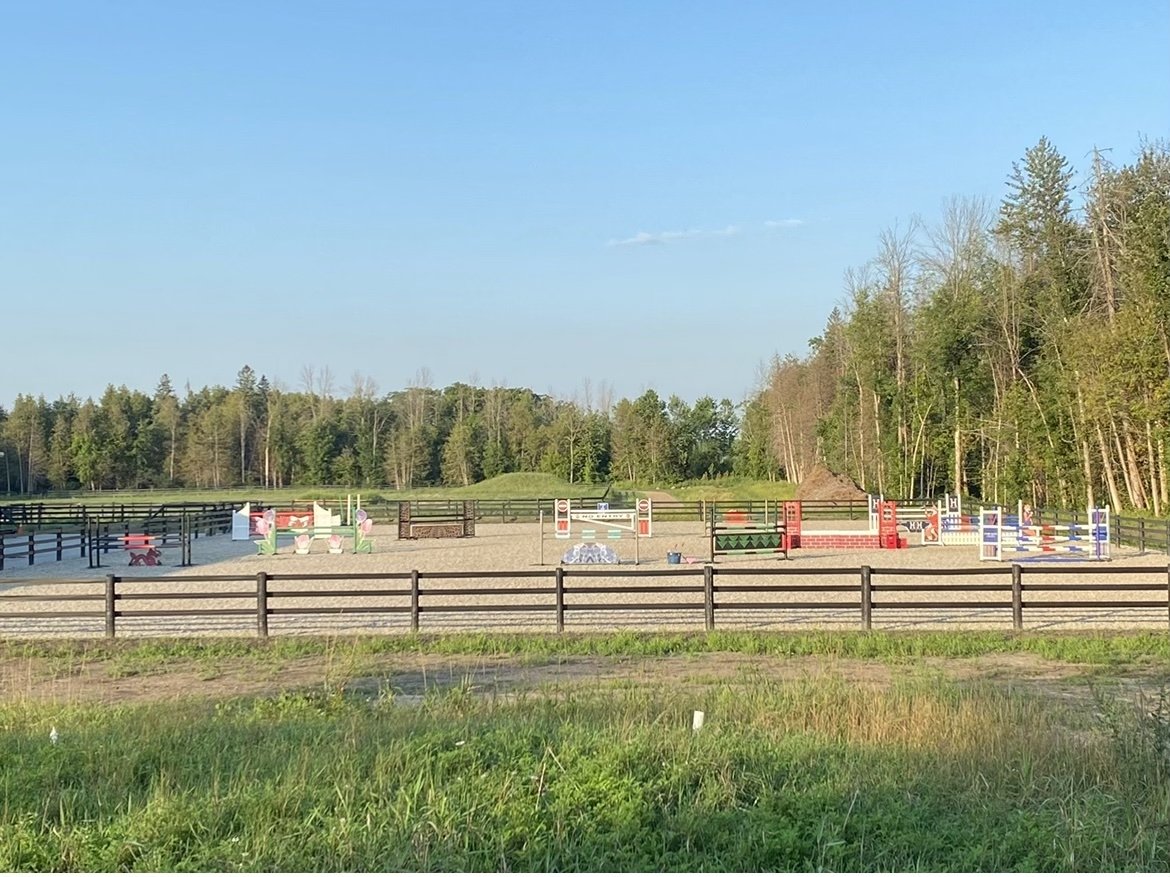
(784, 776)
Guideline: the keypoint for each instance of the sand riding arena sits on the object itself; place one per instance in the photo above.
(495, 581)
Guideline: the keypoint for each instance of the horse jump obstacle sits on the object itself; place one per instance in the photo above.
(882, 532)
(142, 548)
(945, 524)
(639, 520)
(325, 525)
(738, 534)
(608, 525)
(435, 520)
(999, 533)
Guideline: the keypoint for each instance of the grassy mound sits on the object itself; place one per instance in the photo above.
(521, 485)
(732, 487)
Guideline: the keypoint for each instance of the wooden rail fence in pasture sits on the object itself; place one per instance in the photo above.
(215, 517)
(587, 598)
(60, 533)
(47, 545)
(50, 515)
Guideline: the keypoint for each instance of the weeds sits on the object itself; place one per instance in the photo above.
(811, 775)
(143, 656)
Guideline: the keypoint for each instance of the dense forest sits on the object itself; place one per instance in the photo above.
(258, 434)
(1012, 351)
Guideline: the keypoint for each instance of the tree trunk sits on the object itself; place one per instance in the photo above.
(1086, 456)
(861, 433)
(958, 481)
(1125, 473)
(1162, 469)
(1155, 493)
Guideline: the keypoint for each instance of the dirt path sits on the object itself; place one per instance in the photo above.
(411, 676)
(659, 496)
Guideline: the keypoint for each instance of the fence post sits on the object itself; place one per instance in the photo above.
(866, 598)
(2, 552)
(99, 545)
(262, 605)
(560, 599)
(1141, 534)
(185, 540)
(32, 548)
(414, 601)
(1017, 596)
(111, 603)
(709, 596)
(60, 546)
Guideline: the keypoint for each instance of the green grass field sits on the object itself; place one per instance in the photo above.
(803, 776)
(1110, 650)
(926, 771)
(722, 489)
(517, 485)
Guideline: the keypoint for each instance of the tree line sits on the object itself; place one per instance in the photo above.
(255, 433)
(1020, 351)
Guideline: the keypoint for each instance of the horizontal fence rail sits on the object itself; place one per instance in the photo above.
(49, 546)
(52, 514)
(18, 519)
(700, 595)
(93, 538)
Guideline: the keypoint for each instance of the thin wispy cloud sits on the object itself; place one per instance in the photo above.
(661, 238)
(651, 238)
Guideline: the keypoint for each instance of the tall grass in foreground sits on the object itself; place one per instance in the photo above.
(149, 655)
(825, 775)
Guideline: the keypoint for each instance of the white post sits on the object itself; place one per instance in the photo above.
(541, 537)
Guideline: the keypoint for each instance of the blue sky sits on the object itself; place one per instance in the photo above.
(639, 194)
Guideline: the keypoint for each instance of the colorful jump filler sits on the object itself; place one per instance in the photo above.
(304, 533)
(362, 543)
(1020, 537)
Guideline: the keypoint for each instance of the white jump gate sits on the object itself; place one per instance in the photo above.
(1088, 541)
(638, 520)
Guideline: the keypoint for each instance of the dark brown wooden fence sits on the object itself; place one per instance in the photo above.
(703, 594)
(94, 538)
(215, 517)
(49, 546)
